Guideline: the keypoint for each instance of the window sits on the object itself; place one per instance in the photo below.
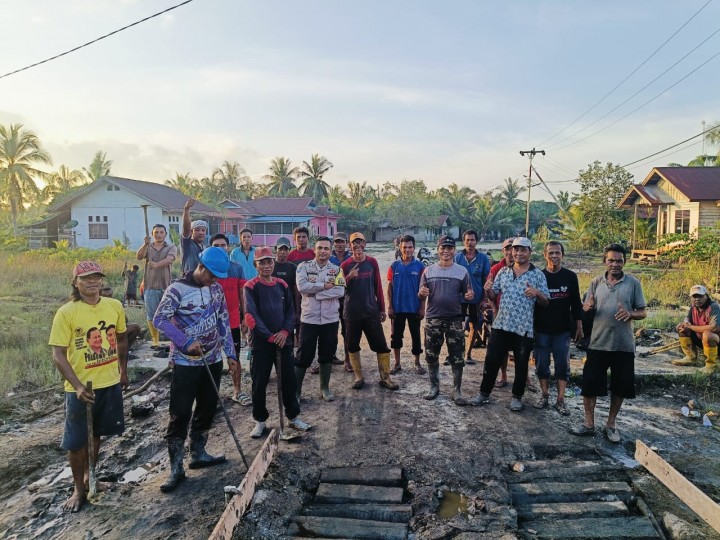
(98, 231)
(273, 228)
(682, 221)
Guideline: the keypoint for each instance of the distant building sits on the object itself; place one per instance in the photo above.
(272, 217)
(442, 225)
(111, 209)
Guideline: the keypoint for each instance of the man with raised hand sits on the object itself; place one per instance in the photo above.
(192, 239)
(521, 286)
(244, 253)
(445, 284)
(270, 318)
(478, 266)
(404, 305)
(160, 255)
(616, 300)
(556, 325)
(87, 311)
(365, 312)
(700, 329)
(316, 282)
(193, 314)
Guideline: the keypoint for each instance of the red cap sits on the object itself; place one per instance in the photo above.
(264, 252)
(87, 268)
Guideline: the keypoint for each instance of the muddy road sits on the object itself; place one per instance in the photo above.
(440, 447)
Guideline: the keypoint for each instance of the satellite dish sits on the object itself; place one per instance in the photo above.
(72, 224)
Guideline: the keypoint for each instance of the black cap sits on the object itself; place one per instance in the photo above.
(446, 240)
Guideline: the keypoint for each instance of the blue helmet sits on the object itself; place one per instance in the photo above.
(216, 260)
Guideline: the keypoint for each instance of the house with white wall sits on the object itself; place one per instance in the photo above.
(111, 208)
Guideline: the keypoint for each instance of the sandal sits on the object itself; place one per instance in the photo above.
(243, 399)
(612, 435)
(420, 370)
(348, 367)
(583, 431)
(561, 408)
(395, 369)
(501, 384)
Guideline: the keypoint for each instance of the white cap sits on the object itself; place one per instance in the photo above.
(698, 289)
(522, 242)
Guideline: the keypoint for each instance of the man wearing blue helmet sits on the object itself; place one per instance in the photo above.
(193, 314)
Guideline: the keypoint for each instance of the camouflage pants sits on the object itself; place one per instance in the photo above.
(451, 332)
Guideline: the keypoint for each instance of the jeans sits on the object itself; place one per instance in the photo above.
(559, 346)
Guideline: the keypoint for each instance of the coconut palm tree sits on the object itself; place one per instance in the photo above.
(227, 181)
(312, 174)
(20, 152)
(510, 192)
(281, 178)
(62, 182)
(488, 217)
(185, 184)
(459, 203)
(100, 166)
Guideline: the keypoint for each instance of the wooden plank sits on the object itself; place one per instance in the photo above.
(368, 476)
(599, 472)
(685, 490)
(549, 492)
(542, 464)
(561, 510)
(239, 503)
(637, 528)
(350, 493)
(396, 513)
(330, 527)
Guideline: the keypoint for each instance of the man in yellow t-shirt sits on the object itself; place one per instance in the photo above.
(82, 352)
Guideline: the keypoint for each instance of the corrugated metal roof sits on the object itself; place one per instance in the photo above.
(696, 183)
(280, 206)
(160, 195)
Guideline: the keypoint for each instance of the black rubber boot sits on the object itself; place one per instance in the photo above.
(199, 458)
(325, 392)
(299, 377)
(177, 473)
(434, 373)
(457, 383)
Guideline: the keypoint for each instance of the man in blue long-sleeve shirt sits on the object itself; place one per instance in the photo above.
(270, 318)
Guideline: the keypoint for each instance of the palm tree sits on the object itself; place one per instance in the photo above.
(360, 195)
(100, 166)
(458, 202)
(336, 197)
(227, 181)
(62, 182)
(20, 151)
(185, 184)
(488, 217)
(565, 199)
(281, 178)
(312, 174)
(509, 193)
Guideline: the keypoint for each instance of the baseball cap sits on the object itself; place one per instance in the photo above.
(508, 242)
(340, 236)
(282, 241)
(521, 241)
(446, 240)
(263, 252)
(199, 223)
(87, 268)
(357, 236)
(698, 289)
(216, 260)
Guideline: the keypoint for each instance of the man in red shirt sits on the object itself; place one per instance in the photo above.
(302, 252)
(364, 312)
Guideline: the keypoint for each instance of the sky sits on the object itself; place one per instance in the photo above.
(386, 90)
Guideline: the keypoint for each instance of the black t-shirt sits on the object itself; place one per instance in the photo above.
(565, 307)
(286, 271)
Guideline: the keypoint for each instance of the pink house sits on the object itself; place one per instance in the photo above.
(270, 218)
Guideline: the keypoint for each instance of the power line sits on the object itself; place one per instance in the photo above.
(630, 75)
(639, 91)
(95, 40)
(671, 147)
(642, 105)
(642, 164)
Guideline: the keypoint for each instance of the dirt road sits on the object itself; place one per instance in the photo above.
(439, 446)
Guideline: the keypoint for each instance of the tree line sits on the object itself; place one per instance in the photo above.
(586, 220)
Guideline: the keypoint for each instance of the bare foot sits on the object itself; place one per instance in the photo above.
(75, 502)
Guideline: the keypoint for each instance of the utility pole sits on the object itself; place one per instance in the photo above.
(703, 144)
(531, 155)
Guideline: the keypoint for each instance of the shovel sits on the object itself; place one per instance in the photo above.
(92, 481)
(225, 413)
(278, 370)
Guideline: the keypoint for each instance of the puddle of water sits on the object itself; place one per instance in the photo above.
(134, 475)
(452, 504)
(618, 453)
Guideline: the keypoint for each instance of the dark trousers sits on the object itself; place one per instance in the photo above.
(192, 384)
(373, 330)
(260, 369)
(397, 329)
(500, 343)
(343, 329)
(323, 337)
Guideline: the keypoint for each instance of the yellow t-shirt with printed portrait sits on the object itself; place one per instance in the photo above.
(90, 334)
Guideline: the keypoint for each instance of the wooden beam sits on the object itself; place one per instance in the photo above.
(239, 503)
(685, 490)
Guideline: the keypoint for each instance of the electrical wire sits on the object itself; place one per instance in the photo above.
(671, 147)
(626, 78)
(638, 92)
(641, 106)
(8, 74)
(642, 163)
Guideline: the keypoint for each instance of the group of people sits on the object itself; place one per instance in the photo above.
(290, 304)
